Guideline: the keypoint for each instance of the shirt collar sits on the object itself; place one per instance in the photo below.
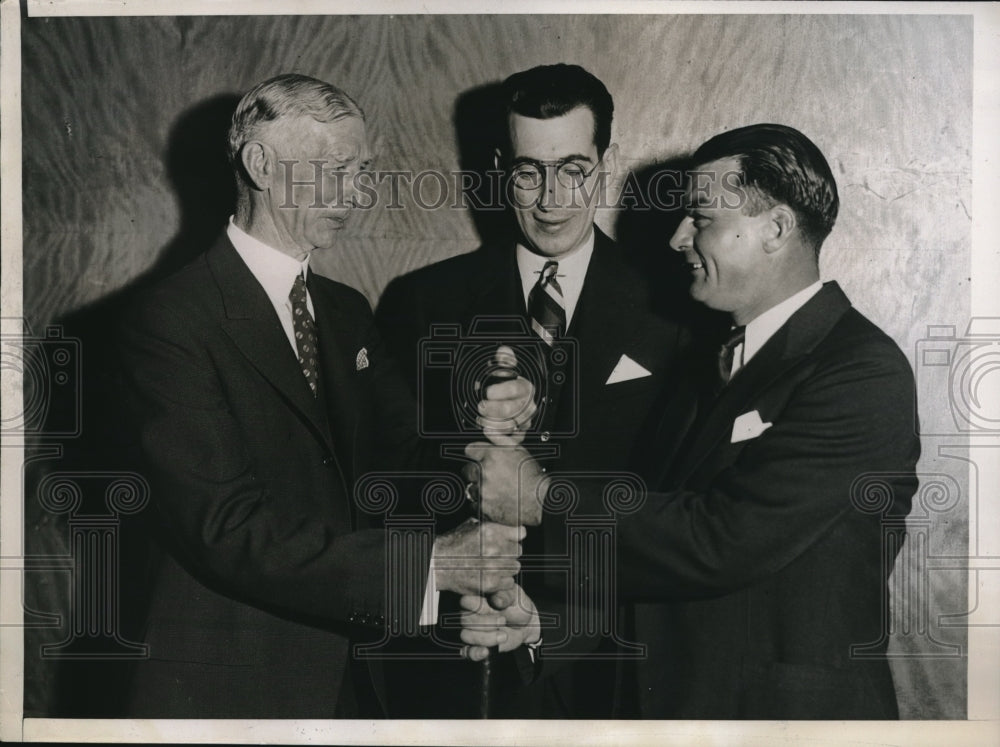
(761, 329)
(274, 270)
(572, 271)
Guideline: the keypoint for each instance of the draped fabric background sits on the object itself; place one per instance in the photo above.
(125, 178)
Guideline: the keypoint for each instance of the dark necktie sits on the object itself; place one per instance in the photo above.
(306, 342)
(727, 351)
(545, 305)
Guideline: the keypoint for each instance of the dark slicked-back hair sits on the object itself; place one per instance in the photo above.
(780, 165)
(550, 91)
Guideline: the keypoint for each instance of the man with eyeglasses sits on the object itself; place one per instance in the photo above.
(579, 315)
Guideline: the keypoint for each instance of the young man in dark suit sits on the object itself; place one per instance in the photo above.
(261, 393)
(579, 314)
(758, 568)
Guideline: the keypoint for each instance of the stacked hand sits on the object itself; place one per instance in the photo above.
(511, 486)
(506, 619)
(481, 558)
(508, 405)
(477, 558)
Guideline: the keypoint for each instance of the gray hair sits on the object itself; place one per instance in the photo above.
(288, 95)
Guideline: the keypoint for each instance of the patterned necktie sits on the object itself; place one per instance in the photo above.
(305, 333)
(545, 305)
(726, 352)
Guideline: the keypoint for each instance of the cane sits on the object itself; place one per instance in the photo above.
(495, 376)
(485, 675)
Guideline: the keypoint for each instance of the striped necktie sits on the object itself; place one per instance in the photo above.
(306, 342)
(727, 351)
(545, 305)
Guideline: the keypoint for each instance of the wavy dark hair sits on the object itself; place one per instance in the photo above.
(549, 91)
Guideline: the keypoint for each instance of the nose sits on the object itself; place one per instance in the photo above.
(351, 187)
(553, 192)
(681, 240)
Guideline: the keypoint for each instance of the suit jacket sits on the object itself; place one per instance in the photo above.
(759, 567)
(594, 425)
(269, 571)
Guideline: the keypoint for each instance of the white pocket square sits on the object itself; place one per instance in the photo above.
(626, 369)
(361, 361)
(747, 426)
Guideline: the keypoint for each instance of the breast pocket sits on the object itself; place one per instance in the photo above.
(646, 387)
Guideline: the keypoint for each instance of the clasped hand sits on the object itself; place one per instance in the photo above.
(511, 486)
(507, 407)
(480, 558)
(505, 481)
(506, 619)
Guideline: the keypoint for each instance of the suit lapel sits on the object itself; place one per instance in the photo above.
(501, 294)
(787, 347)
(602, 315)
(250, 321)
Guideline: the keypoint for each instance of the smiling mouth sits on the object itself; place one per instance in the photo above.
(554, 223)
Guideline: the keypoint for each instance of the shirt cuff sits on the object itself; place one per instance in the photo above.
(533, 650)
(429, 609)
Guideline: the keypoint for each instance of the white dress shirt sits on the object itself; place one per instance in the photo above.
(762, 329)
(572, 271)
(276, 272)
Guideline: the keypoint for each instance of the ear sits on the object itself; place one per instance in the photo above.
(611, 160)
(256, 160)
(781, 223)
(497, 159)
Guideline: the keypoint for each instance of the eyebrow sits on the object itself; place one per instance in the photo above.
(564, 159)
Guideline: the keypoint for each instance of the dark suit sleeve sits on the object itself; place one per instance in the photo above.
(246, 538)
(402, 324)
(851, 416)
(395, 403)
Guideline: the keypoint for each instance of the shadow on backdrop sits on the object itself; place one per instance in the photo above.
(652, 208)
(480, 127)
(94, 684)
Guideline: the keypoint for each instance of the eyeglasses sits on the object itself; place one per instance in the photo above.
(529, 175)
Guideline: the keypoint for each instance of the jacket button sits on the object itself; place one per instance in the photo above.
(328, 460)
(545, 436)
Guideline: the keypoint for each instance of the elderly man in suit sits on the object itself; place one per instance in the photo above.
(261, 393)
(758, 566)
(580, 315)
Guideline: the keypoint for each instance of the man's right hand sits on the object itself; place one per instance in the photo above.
(508, 619)
(477, 558)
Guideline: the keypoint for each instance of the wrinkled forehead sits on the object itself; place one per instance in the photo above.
(307, 135)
